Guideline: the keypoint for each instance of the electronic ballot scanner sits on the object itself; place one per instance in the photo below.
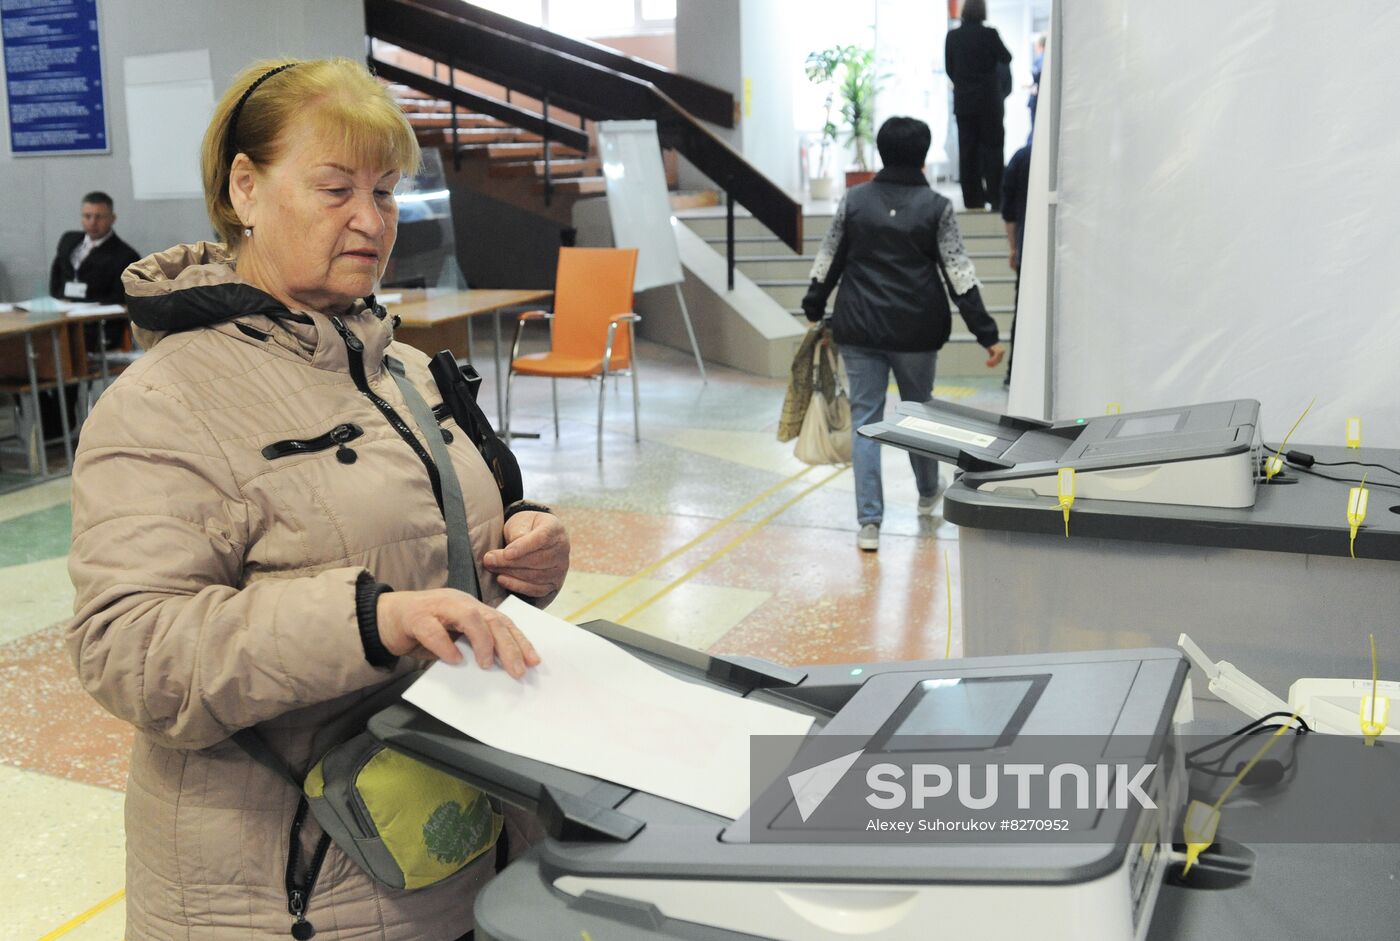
(623, 864)
(1197, 455)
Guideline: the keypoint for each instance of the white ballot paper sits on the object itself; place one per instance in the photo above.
(594, 708)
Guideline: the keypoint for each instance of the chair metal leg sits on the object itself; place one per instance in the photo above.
(505, 421)
(636, 410)
(554, 394)
(602, 397)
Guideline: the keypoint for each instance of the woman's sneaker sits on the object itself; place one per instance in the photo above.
(869, 537)
(926, 505)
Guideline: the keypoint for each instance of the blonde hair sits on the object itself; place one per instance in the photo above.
(352, 112)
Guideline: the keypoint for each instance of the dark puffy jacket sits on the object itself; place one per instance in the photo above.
(886, 245)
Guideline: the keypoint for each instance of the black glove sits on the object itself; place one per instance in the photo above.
(814, 303)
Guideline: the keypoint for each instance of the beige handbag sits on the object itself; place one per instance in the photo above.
(825, 437)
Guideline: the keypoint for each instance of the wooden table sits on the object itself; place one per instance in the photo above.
(18, 325)
(433, 321)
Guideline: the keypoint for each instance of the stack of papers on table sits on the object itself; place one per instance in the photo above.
(45, 305)
(594, 708)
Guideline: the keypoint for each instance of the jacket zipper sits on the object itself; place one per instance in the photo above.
(355, 350)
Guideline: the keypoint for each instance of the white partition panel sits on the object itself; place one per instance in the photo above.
(1227, 217)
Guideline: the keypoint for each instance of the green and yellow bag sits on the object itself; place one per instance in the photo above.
(407, 824)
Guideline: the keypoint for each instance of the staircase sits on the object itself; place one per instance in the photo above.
(785, 275)
(513, 105)
(510, 164)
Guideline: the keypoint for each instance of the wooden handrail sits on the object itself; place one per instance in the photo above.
(705, 101)
(587, 89)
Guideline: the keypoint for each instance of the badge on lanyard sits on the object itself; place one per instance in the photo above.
(75, 290)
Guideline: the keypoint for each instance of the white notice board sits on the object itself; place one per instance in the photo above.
(169, 98)
(638, 201)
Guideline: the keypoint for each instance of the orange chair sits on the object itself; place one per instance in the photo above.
(592, 299)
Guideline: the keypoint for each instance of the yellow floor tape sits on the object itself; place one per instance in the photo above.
(86, 916)
(676, 553)
(729, 546)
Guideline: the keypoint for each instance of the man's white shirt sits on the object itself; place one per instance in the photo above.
(84, 248)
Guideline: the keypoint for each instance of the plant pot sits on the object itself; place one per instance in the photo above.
(822, 187)
(857, 177)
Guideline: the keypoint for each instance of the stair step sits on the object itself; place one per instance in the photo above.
(423, 105)
(711, 225)
(494, 135)
(439, 120)
(515, 151)
(404, 91)
(578, 186)
(589, 166)
(694, 200)
(751, 245)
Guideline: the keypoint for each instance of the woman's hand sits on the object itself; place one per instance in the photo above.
(422, 624)
(536, 555)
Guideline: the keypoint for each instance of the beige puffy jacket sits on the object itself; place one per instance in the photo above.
(216, 591)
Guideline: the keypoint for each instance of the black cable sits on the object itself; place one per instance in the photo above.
(1344, 480)
(1389, 470)
(1239, 738)
(1218, 767)
(1304, 459)
(1246, 729)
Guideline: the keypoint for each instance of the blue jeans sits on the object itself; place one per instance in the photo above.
(869, 373)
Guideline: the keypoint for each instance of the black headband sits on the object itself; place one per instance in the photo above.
(231, 139)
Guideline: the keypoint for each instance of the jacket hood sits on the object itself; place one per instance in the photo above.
(192, 286)
(187, 287)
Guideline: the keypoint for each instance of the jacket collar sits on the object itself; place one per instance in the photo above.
(902, 176)
(192, 286)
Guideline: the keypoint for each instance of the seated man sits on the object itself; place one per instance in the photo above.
(89, 263)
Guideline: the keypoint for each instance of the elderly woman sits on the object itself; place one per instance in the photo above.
(258, 522)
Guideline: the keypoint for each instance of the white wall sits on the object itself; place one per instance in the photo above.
(41, 194)
(708, 48)
(767, 56)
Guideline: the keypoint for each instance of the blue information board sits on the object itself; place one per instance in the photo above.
(53, 77)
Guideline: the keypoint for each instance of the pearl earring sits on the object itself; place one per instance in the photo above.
(247, 232)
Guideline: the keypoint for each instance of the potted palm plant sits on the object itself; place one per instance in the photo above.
(848, 74)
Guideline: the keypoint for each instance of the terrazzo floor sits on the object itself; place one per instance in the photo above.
(707, 532)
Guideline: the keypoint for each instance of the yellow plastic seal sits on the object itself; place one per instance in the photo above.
(1201, 820)
(1357, 500)
(1275, 464)
(1066, 485)
(1375, 708)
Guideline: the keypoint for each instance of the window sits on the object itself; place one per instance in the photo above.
(656, 10)
(526, 11)
(586, 19)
